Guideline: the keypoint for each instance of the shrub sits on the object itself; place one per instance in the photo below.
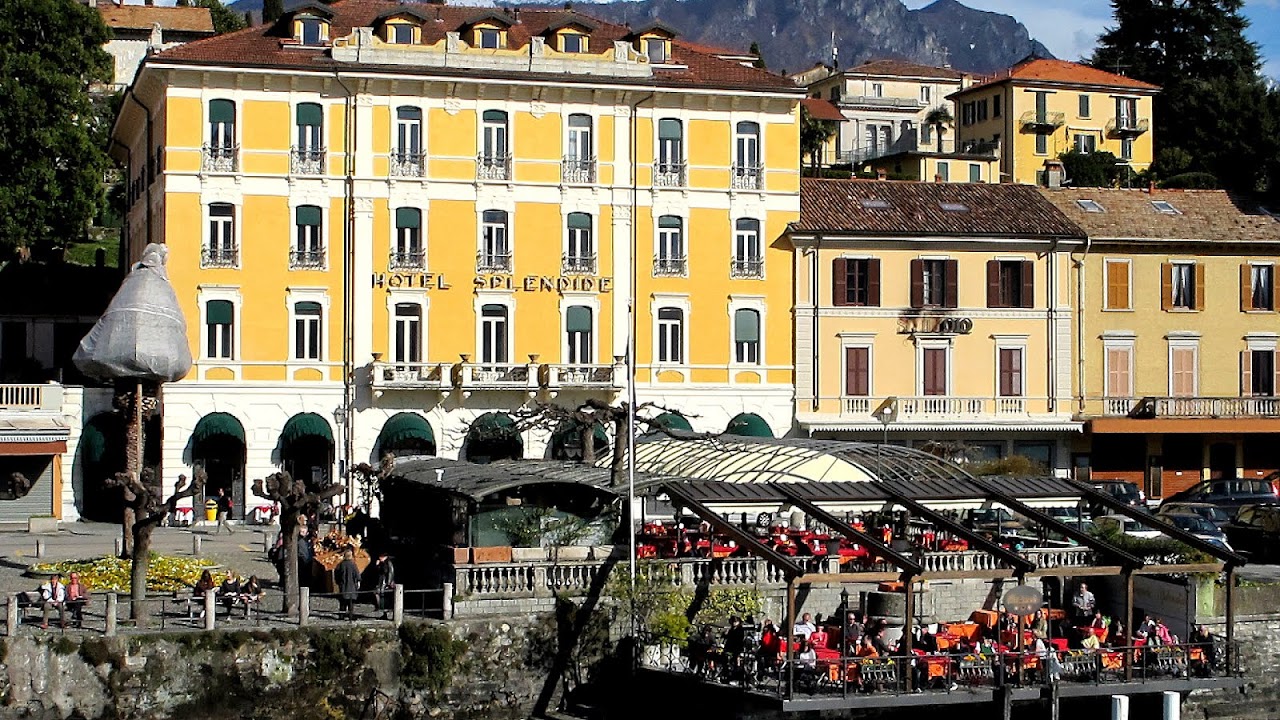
(1192, 181)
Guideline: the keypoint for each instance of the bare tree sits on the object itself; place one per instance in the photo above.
(143, 495)
(295, 501)
(369, 480)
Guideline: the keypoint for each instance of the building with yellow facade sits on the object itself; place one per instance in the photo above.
(1177, 338)
(1040, 108)
(936, 315)
(391, 227)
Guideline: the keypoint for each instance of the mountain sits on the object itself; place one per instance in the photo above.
(795, 34)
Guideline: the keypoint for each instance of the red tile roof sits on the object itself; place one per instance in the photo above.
(820, 109)
(144, 17)
(915, 209)
(1036, 70)
(902, 68)
(263, 47)
(1214, 216)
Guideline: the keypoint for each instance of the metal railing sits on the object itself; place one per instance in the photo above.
(307, 161)
(1193, 407)
(410, 375)
(748, 176)
(583, 376)
(578, 264)
(751, 267)
(1042, 122)
(407, 260)
(219, 256)
(408, 164)
(669, 174)
(306, 259)
(577, 170)
(492, 262)
(497, 376)
(670, 266)
(221, 158)
(1124, 126)
(493, 167)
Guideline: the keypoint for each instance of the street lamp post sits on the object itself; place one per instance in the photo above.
(886, 413)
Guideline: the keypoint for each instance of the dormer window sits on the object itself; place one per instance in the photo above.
(572, 42)
(488, 38)
(656, 49)
(654, 41)
(311, 30)
(400, 33)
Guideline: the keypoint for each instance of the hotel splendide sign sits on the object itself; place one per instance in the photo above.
(528, 283)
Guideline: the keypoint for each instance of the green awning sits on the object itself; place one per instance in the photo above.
(669, 129)
(669, 221)
(492, 424)
(310, 114)
(405, 112)
(749, 425)
(569, 435)
(671, 421)
(408, 217)
(578, 319)
(404, 428)
(215, 424)
(581, 221)
(307, 215)
(219, 312)
(305, 425)
(746, 326)
(495, 116)
(222, 111)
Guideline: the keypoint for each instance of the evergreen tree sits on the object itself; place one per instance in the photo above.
(755, 50)
(272, 10)
(1214, 104)
(224, 19)
(52, 135)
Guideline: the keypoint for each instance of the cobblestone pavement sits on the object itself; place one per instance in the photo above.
(243, 552)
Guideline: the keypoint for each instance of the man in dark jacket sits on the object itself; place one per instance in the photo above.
(347, 578)
(384, 583)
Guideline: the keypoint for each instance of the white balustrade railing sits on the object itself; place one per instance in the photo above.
(30, 397)
(1194, 407)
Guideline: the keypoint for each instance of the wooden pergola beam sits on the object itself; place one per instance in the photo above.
(748, 541)
(899, 560)
(1019, 563)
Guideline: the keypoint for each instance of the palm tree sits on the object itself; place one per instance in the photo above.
(939, 117)
(814, 135)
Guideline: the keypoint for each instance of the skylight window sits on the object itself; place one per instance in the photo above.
(1090, 206)
(1164, 206)
(954, 207)
(875, 204)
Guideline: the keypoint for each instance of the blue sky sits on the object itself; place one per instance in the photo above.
(1069, 28)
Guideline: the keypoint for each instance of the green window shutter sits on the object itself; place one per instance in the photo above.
(409, 113)
(669, 129)
(580, 221)
(308, 215)
(222, 111)
(306, 308)
(219, 312)
(408, 217)
(310, 114)
(579, 319)
(495, 116)
(746, 326)
(669, 221)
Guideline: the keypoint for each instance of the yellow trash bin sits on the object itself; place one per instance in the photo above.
(210, 509)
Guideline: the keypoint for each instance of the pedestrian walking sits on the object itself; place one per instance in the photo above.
(347, 577)
(224, 512)
(384, 583)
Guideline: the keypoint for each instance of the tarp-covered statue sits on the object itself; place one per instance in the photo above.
(142, 335)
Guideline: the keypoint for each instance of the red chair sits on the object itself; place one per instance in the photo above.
(821, 643)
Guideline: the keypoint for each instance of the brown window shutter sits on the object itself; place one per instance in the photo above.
(993, 283)
(857, 367)
(840, 282)
(1246, 373)
(1246, 287)
(935, 371)
(951, 283)
(917, 283)
(873, 282)
(1029, 284)
(1166, 286)
(1199, 286)
(1118, 286)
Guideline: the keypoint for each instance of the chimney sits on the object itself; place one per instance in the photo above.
(882, 174)
(937, 178)
(1054, 174)
(1151, 187)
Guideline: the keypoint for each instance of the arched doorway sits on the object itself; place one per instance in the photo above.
(749, 425)
(493, 436)
(102, 455)
(566, 441)
(306, 449)
(218, 445)
(406, 434)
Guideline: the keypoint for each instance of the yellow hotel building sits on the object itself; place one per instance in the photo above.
(461, 211)
(947, 305)
(1041, 108)
(1177, 341)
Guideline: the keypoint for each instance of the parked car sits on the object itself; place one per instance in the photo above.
(1256, 531)
(992, 520)
(1229, 494)
(1123, 490)
(1126, 525)
(1212, 513)
(1198, 526)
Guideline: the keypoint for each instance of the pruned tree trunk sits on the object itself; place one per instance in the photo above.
(617, 464)
(295, 500)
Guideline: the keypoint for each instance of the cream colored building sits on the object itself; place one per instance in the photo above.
(948, 304)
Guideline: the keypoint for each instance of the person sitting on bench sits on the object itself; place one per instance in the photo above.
(77, 598)
(53, 595)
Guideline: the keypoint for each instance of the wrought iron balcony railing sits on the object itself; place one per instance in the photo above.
(307, 161)
(219, 256)
(407, 259)
(571, 264)
(670, 266)
(748, 177)
(493, 167)
(750, 267)
(408, 164)
(669, 174)
(493, 262)
(310, 259)
(578, 170)
(221, 158)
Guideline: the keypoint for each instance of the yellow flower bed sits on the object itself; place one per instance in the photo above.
(107, 574)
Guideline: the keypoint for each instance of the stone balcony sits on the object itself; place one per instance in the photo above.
(1186, 407)
(469, 376)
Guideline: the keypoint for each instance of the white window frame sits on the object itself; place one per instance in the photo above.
(483, 226)
(592, 303)
(567, 248)
(403, 296)
(1183, 341)
(681, 302)
(1119, 341)
(422, 235)
(491, 298)
(209, 125)
(397, 149)
(234, 221)
(660, 233)
(1270, 285)
(293, 296)
(856, 340)
(573, 139)
(1106, 287)
(658, 144)
(231, 294)
(1011, 342)
(311, 141)
(481, 34)
(945, 344)
(748, 142)
(758, 304)
(926, 94)
(487, 128)
(1190, 286)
